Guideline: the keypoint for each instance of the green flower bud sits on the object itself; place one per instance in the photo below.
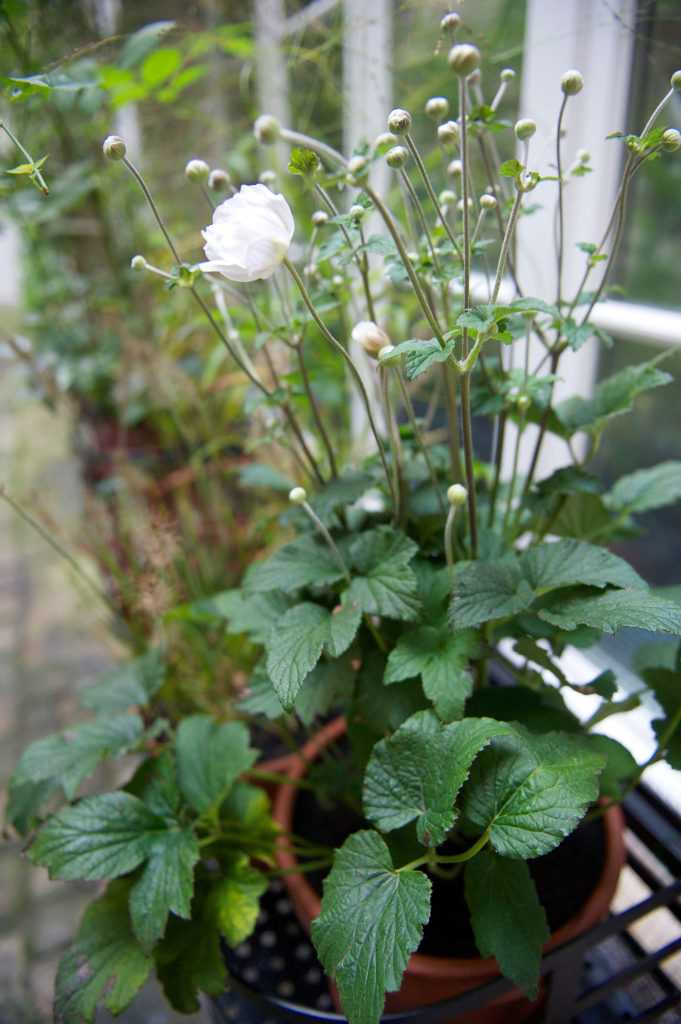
(448, 133)
(455, 168)
(138, 263)
(114, 147)
(399, 121)
(320, 218)
(384, 139)
(507, 75)
(675, 80)
(266, 129)
(572, 82)
(358, 168)
(671, 140)
(446, 197)
(450, 22)
(437, 107)
(197, 171)
(487, 201)
(463, 59)
(457, 495)
(297, 496)
(525, 128)
(397, 156)
(356, 211)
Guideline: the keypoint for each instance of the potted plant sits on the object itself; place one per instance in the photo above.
(422, 596)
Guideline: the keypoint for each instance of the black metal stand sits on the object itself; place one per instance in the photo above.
(602, 977)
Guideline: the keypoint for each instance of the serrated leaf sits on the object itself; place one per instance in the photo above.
(105, 965)
(261, 697)
(294, 647)
(510, 168)
(441, 658)
(236, 900)
(647, 489)
(480, 318)
(620, 766)
(509, 922)
(210, 758)
(343, 491)
(568, 562)
(616, 609)
(416, 774)
(26, 801)
(384, 583)
(343, 625)
(328, 685)
(302, 563)
(189, 959)
(303, 161)
(371, 922)
(529, 791)
(251, 614)
(160, 790)
(488, 590)
(612, 397)
(132, 683)
(100, 837)
(420, 355)
(69, 757)
(166, 884)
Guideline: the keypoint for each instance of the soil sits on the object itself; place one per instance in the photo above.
(579, 860)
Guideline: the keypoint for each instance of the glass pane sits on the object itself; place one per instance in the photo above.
(649, 261)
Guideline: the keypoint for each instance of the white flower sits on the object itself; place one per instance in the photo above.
(370, 336)
(250, 235)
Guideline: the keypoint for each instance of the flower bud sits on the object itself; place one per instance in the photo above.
(507, 75)
(384, 139)
(397, 156)
(448, 133)
(525, 128)
(297, 496)
(583, 156)
(457, 495)
(356, 211)
(463, 59)
(455, 168)
(523, 403)
(671, 140)
(219, 180)
(399, 121)
(437, 107)
(138, 263)
(370, 337)
(460, 206)
(267, 178)
(320, 218)
(114, 147)
(337, 281)
(358, 167)
(675, 80)
(487, 201)
(446, 197)
(310, 270)
(450, 22)
(197, 171)
(572, 82)
(266, 129)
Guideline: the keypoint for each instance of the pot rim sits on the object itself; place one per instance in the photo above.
(306, 898)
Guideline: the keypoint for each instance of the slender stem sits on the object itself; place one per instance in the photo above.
(208, 197)
(359, 258)
(449, 379)
(418, 209)
(320, 148)
(329, 540)
(514, 472)
(395, 446)
(154, 209)
(333, 341)
(506, 244)
(40, 181)
(315, 410)
(498, 459)
(431, 192)
(418, 436)
(468, 459)
(465, 380)
(454, 858)
(300, 437)
(561, 210)
(449, 540)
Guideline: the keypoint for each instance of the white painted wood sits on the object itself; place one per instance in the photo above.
(272, 75)
(106, 15)
(596, 39)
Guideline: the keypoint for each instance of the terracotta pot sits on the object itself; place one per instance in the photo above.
(430, 979)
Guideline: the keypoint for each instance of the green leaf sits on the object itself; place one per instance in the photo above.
(343, 625)
(160, 790)
(159, 66)
(647, 489)
(328, 685)
(261, 697)
(614, 610)
(259, 474)
(303, 161)
(530, 791)
(510, 168)
(294, 648)
(26, 801)
(236, 900)
(345, 490)
(620, 766)
(105, 965)
(666, 685)
(612, 397)
(420, 355)
(132, 683)
(371, 922)
(532, 305)
(569, 562)
(480, 318)
(385, 583)
(189, 959)
(302, 563)
(100, 837)
(69, 757)
(143, 41)
(250, 614)
(441, 658)
(488, 590)
(508, 920)
(210, 758)
(166, 884)
(416, 774)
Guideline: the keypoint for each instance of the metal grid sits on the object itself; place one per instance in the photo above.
(608, 975)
